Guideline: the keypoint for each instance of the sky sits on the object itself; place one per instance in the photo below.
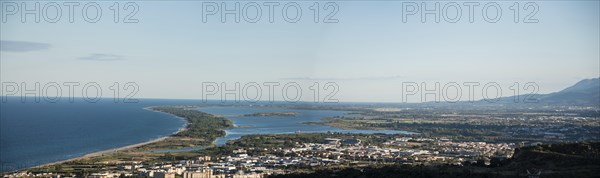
(364, 56)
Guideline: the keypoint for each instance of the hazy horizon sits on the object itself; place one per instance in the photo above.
(368, 53)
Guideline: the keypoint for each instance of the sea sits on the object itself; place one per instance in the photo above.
(35, 133)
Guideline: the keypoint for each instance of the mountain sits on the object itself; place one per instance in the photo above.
(583, 93)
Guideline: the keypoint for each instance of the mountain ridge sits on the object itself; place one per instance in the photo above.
(583, 92)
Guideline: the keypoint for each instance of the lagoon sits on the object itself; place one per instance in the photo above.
(247, 125)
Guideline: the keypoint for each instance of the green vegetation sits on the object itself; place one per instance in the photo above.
(200, 125)
(558, 156)
(390, 171)
(202, 129)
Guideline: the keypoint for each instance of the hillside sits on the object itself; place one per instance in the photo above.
(583, 93)
(558, 160)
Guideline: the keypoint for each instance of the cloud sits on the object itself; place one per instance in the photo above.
(22, 46)
(338, 79)
(102, 57)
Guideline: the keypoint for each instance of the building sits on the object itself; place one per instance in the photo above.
(164, 175)
(332, 141)
(204, 173)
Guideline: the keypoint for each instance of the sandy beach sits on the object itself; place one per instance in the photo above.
(105, 152)
(116, 150)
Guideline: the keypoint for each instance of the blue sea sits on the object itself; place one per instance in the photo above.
(33, 133)
(37, 133)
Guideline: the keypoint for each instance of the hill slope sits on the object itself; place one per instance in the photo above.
(585, 92)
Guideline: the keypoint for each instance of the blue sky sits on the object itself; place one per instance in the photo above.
(368, 53)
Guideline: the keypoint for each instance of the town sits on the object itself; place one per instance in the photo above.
(331, 152)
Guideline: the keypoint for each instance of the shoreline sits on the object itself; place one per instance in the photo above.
(101, 153)
(113, 150)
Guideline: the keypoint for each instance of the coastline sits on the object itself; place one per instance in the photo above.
(114, 150)
(101, 153)
(127, 148)
(185, 121)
